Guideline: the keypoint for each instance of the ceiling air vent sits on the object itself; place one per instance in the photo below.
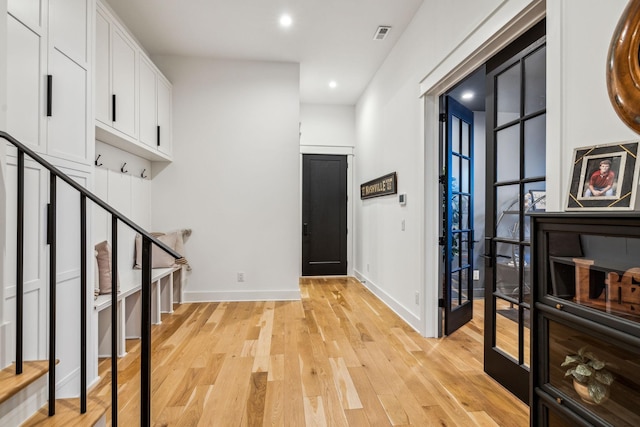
(381, 32)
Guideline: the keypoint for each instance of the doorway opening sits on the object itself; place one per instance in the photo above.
(510, 166)
(462, 191)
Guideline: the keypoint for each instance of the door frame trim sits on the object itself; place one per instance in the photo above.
(339, 151)
(512, 19)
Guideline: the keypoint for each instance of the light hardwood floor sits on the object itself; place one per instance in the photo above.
(338, 357)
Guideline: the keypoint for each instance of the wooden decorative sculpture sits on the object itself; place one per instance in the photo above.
(623, 67)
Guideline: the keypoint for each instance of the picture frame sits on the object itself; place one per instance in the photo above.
(604, 177)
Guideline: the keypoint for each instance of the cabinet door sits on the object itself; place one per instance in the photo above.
(103, 70)
(68, 28)
(30, 12)
(123, 81)
(165, 141)
(67, 125)
(26, 84)
(148, 109)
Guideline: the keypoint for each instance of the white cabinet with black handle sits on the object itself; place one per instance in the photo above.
(133, 98)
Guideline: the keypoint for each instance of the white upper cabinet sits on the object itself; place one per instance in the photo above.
(115, 76)
(48, 76)
(68, 125)
(29, 12)
(26, 80)
(155, 108)
(123, 84)
(165, 130)
(148, 104)
(68, 28)
(103, 73)
(131, 93)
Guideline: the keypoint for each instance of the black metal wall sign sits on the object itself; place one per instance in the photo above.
(382, 186)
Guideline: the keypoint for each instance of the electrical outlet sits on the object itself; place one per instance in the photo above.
(476, 274)
(417, 298)
(240, 276)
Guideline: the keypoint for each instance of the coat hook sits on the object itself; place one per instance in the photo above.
(142, 175)
(122, 168)
(97, 158)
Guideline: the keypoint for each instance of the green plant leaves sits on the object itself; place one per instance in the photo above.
(571, 359)
(587, 369)
(605, 377)
(584, 370)
(597, 391)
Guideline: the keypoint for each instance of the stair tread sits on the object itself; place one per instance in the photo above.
(10, 383)
(68, 414)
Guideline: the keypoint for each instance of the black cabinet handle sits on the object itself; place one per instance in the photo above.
(158, 136)
(305, 229)
(113, 107)
(49, 94)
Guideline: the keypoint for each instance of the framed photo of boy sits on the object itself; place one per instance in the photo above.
(603, 177)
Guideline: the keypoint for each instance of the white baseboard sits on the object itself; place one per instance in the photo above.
(4, 360)
(406, 315)
(220, 296)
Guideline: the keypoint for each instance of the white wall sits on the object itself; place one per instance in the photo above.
(3, 109)
(235, 176)
(327, 125)
(479, 192)
(578, 108)
(390, 137)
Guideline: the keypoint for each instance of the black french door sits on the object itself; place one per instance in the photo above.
(457, 196)
(515, 174)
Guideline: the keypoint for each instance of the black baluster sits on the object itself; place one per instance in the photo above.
(145, 350)
(51, 230)
(83, 303)
(20, 265)
(114, 320)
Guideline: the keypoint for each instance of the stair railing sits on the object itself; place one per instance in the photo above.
(147, 241)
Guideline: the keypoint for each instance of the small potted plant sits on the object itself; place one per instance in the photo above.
(591, 379)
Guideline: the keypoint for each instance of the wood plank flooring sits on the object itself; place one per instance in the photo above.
(338, 357)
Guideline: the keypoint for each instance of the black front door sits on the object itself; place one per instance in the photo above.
(324, 215)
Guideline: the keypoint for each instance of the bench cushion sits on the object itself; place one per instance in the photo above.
(103, 256)
(159, 258)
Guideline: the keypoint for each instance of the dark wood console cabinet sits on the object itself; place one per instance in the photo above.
(586, 298)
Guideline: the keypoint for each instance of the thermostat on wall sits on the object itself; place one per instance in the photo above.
(402, 199)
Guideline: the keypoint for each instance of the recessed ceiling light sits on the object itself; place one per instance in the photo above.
(333, 84)
(467, 95)
(285, 21)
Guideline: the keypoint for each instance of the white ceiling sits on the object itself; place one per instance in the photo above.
(331, 39)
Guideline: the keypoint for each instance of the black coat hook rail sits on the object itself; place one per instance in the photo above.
(142, 175)
(122, 169)
(98, 158)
